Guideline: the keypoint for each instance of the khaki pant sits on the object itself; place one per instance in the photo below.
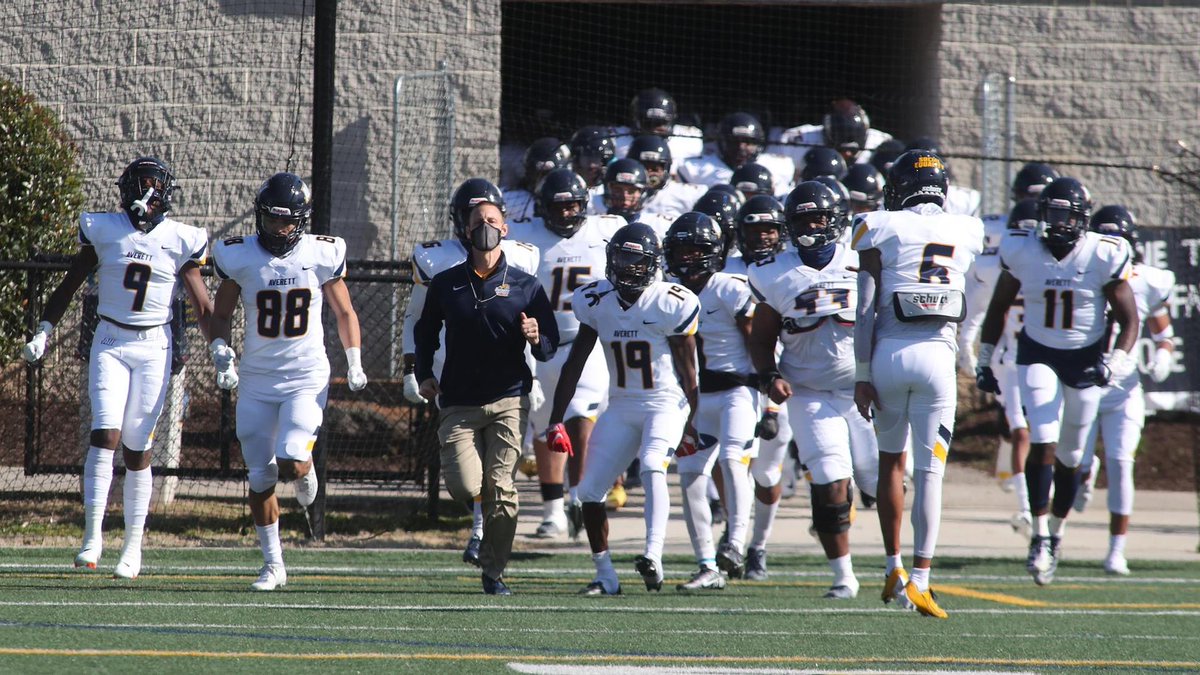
(480, 449)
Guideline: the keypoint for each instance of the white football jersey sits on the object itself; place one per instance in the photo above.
(138, 270)
(634, 338)
(981, 284)
(518, 205)
(1151, 289)
(963, 201)
(684, 142)
(673, 199)
(566, 264)
(657, 222)
(735, 263)
(707, 170)
(1064, 299)
(925, 254)
(817, 310)
(806, 136)
(283, 299)
(719, 343)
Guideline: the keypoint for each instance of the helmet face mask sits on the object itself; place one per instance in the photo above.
(655, 156)
(741, 139)
(625, 184)
(694, 247)
(760, 227)
(146, 188)
(632, 259)
(543, 156)
(282, 213)
(864, 187)
(753, 179)
(813, 220)
(592, 149)
(562, 200)
(652, 111)
(845, 129)
(1063, 208)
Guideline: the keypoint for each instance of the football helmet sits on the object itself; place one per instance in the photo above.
(845, 128)
(760, 228)
(841, 197)
(559, 189)
(722, 207)
(283, 197)
(753, 179)
(864, 186)
(652, 111)
(883, 156)
(632, 258)
(1031, 180)
(1116, 221)
(543, 156)
(625, 202)
(471, 193)
(822, 161)
(1023, 216)
(1063, 210)
(916, 177)
(654, 153)
(592, 148)
(693, 246)
(146, 187)
(729, 190)
(812, 217)
(740, 138)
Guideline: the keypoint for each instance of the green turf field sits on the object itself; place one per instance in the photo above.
(422, 611)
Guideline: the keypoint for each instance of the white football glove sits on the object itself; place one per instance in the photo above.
(35, 349)
(1160, 367)
(355, 377)
(537, 397)
(1121, 364)
(412, 389)
(227, 379)
(223, 355)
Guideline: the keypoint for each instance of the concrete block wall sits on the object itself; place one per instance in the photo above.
(1102, 82)
(214, 92)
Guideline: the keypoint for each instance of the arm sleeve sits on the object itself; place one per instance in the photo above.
(539, 308)
(416, 303)
(978, 294)
(864, 327)
(425, 335)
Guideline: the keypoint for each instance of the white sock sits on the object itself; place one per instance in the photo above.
(552, 509)
(764, 520)
(604, 568)
(920, 578)
(1056, 525)
(1116, 546)
(658, 509)
(739, 494)
(893, 562)
(138, 487)
(477, 518)
(572, 494)
(1041, 526)
(268, 541)
(1021, 491)
(698, 516)
(926, 512)
(843, 571)
(97, 480)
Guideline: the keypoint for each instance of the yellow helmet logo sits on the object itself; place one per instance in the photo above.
(928, 162)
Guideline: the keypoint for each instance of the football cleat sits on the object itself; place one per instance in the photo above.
(649, 569)
(1038, 561)
(306, 488)
(130, 563)
(574, 519)
(552, 528)
(616, 497)
(842, 591)
(471, 552)
(756, 564)
(1116, 565)
(597, 588)
(269, 578)
(893, 589)
(1055, 553)
(731, 562)
(495, 586)
(706, 579)
(528, 465)
(1022, 523)
(925, 603)
(87, 558)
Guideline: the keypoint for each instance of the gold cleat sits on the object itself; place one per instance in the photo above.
(924, 602)
(617, 497)
(893, 588)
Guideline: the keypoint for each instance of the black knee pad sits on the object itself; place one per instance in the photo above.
(831, 518)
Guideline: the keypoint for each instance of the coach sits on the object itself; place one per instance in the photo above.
(490, 311)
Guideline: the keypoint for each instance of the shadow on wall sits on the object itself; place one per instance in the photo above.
(351, 211)
(265, 8)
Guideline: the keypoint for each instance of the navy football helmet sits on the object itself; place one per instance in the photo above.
(1023, 216)
(652, 111)
(557, 191)
(543, 156)
(473, 192)
(812, 216)
(822, 161)
(756, 220)
(1115, 220)
(1031, 180)
(146, 187)
(283, 197)
(653, 152)
(694, 246)
(845, 128)
(883, 156)
(916, 177)
(753, 179)
(1064, 207)
(632, 258)
(737, 129)
(722, 207)
(630, 172)
(865, 187)
(592, 148)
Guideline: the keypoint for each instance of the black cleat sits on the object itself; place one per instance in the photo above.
(495, 586)
(649, 571)
(471, 552)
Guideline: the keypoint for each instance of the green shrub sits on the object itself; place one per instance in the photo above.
(41, 196)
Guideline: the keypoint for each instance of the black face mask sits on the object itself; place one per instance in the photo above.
(485, 237)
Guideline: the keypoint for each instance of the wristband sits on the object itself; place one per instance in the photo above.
(985, 355)
(1164, 335)
(354, 358)
(862, 371)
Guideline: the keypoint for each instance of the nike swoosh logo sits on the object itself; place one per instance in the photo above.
(459, 288)
(166, 248)
(309, 267)
(649, 322)
(713, 311)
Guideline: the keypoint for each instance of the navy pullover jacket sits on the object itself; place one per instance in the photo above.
(485, 349)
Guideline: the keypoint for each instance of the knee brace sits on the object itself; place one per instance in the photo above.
(831, 518)
(263, 478)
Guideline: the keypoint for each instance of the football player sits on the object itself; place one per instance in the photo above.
(959, 198)
(1067, 276)
(722, 207)
(807, 300)
(433, 257)
(865, 188)
(625, 186)
(653, 112)
(283, 276)
(592, 149)
(646, 330)
(728, 397)
(822, 161)
(741, 138)
(665, 195)
(572, 255)
(138, 255)
(845, 128)
(541, 157)
(913, 260)
(753, 179)
(1123, 407)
